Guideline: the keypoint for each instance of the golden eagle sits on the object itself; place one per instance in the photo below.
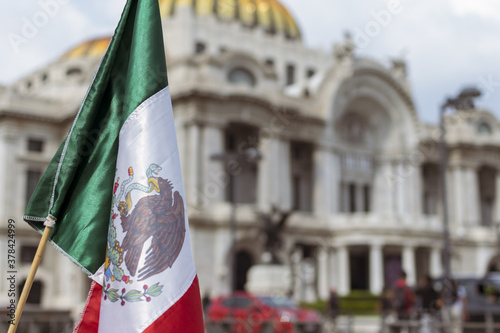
(158, 216)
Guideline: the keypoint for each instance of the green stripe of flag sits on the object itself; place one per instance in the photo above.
(77, 185)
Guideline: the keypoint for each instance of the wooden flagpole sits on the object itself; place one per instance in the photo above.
(29, 279)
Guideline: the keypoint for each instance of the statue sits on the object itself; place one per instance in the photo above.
(273, 225)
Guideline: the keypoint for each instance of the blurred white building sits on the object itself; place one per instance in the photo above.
(340, 140)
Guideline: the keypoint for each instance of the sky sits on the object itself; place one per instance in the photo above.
(447, 44)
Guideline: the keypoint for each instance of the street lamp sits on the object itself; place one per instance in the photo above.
(464, 101)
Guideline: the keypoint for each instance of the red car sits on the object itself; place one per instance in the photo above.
(305, 320)
(249, 313)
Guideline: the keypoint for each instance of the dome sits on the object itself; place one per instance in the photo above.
(270, 15)
(91, 48)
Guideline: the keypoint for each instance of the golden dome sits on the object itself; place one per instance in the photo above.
(91, 48)
(268, 14)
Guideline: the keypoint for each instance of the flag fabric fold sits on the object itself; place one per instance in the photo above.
(116, 192)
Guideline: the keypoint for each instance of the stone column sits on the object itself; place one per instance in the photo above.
(323, 261)
(193, 163)
(383, 191)
(497, 199)
(309, 270)
(298, 277)
(483, 256)
(436, 264)
(343, 270)
(416, 195)
(332, 269)
(457, 203)
(335, 184)
(12, 201)
(376, 269)
(409, 264)
(285, 175)
(8, 181)
(221, 255)
(215, 176)
(401, 183)
(472, 192)
(322, 190)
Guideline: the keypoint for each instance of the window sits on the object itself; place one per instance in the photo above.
(487, 192)
(32, 178)
(431, 189)
(199, 48)
(241, 75)
(296, 192)
(35, 295)
(310, 72)
(302, 175)
(73, 71)
(366, 198)
(352, 194)
(352, 198)
(28, 253)
(35, 145)
(230, 141)
(290, 75)
(242, 170)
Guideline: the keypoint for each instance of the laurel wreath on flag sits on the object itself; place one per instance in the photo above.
(133, 295)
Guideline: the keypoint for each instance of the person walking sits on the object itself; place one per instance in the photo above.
(333, 308)
(403, 300)
(427, 304)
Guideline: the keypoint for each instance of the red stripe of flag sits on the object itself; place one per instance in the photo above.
(184, 316)
(89, 323)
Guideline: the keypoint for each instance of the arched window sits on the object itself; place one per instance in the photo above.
(484, 129)
(241, 75)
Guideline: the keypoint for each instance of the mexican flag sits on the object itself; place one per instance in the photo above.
(115, 189)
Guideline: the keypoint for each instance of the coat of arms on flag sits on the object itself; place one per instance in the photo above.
(156, 217)
(118, 201)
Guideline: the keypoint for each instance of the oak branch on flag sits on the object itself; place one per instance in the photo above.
(116, 190)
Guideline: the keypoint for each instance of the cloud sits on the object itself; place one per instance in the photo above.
(486, 9)
(66, 26)
(447, 44)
